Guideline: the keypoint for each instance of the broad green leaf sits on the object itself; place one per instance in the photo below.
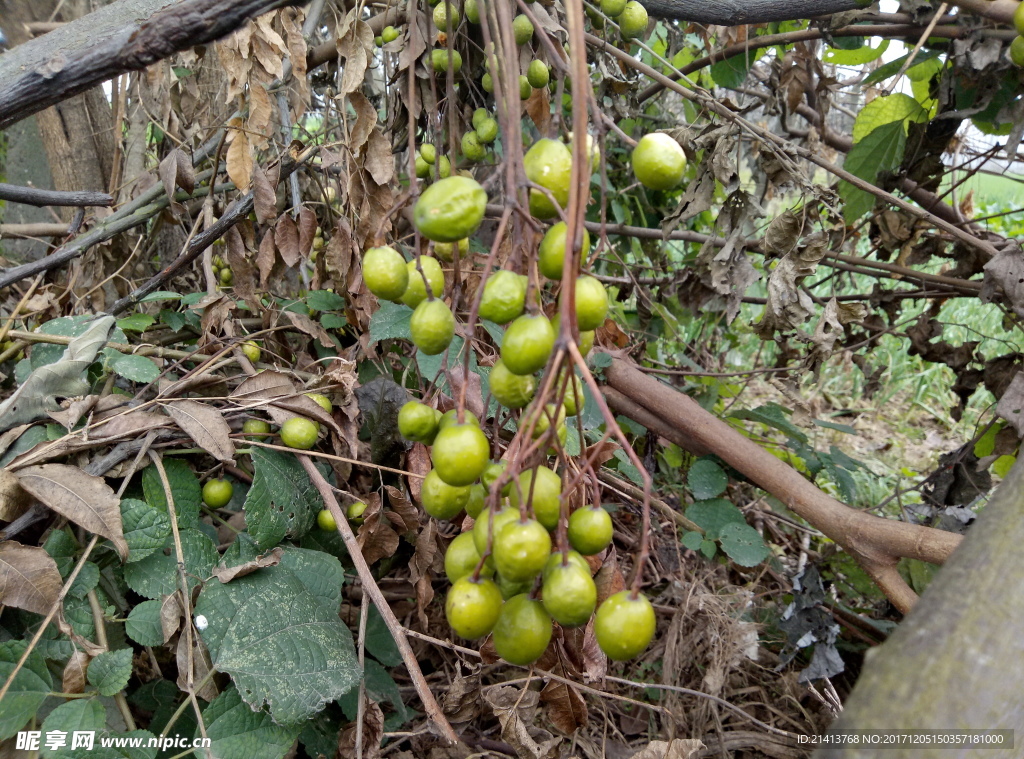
(319, 736)
(321, 573)
(88, 578)
(29, 689)
(709, 548)
(732, 72)
(333, 321)
(161, 295)
(78, 715)
(692, 540)
(855, 57)
(30, 438)
(390, 321)
(324, 300)
(1001, 466)
(892, 67)
(380, 686)
(132, 367)
(743, 544)
(281, 645)
(78, 614)
(379, 642)
(109, 671)
(773, 415)
(145, 528)
(282, 501)
(430, 366)
(706, 479)
(136, 322)
(143, 624)
(185, 490)
(882, 150)
(237, 732)
(986, 443)
(885, 110)
(157, 575)
(62, 549)
(713, 515)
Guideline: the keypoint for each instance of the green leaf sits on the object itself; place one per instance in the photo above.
(324, 300)
(379, 642)
(78, 613)
(713, 515)
(157, 575)
(844, 428)
(706, 479)
(282, 501)
(773, 415)
(161, 295)
(380, 686)
(333, 321)
(882, 150)
(986, 443)
(732, 72)
(143, 624)
(78, 715)
(1001, 466)
(62, 549)
(29, 689)
(145, 528)
(743, 544)
(885, 110)
(390, 321)
(109, 671)
(185, 490)
(691, 540)
(237, 732)
(136, 322)
(601, 360)
(281, 645)
(131, 367)
(430, 366)
(856, 56)
(892, 67)
(708, 548)
(88, 578)
(30, 438)
(321, 573)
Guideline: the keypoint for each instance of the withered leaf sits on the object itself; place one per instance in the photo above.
(783, 233)
(373, 733)
(14, 500)
(29, 578)
(307, 230)
(566, 708)
(675, 749)
(266, 258)
(200, 666)
(264, 196)
(270, 559)
(260, 113)
(86, 500)
(171, 614)
(286, 236)
(73, 680)
(206, 426)
(239, 160)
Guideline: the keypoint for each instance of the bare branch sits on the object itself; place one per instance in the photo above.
(30, 196)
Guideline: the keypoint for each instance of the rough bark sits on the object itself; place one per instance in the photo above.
(127, 35)
(736, 12)
(955, 662)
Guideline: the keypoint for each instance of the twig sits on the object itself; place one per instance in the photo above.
(101, 638)
(30, 196)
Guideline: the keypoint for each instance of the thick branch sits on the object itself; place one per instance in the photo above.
(30, 196)
(111, 41)
(738, 12)
(40, 229)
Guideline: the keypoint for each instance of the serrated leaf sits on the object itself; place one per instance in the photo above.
(891, 68)
(431, 366)
(206, 426)
(732, 72)
(79, 715)
(390, 322)
(157, 575)
(324, 300)
(321, 573)
(773, 415)
(379, 641)
(743, 544)
(692, 540)
(185, 490)
(713, 515)
(62, 548)
(282, 501)
(109, 671)
(881, 150)
(706, 479)
(279, 643)
(143, 624)
(28, 690)
(134, 368)
(145, 528)
(88, 578)
(29, 578)
(237, 732)
(884, 110)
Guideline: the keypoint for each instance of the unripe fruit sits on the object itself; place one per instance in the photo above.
(547, 491)
(658, 161)
(299, 432)
(255, 427)
(480, 115)
(613, 8)
(477, 500)
(527, 344)
(422, 168)
(471, 147)
(504, 297)
(551, 254)
(217, 493)
(251, 350)
(444, 167)
(460, 454)
(428, 153)
(558, 559)
(451, 418)
(1017, 50)
(325, 521)
(487, 130)
(322, 401)
(511, 390)
(441, 500)
(487, 83)
(591, 303)
(525, 88)
(548, 163)
(472, 10)
(417, 422)
(491, 475)
(1018, 20)
(462, 558)
(446, 250)
(522, 631)
(416, 291)
(521, 549)
(441, 61)
(624, 626)
(573, 399)
(226, 276)
(522, 28)
(442, 13)
(432, 326)
(385, 273)
(480, 529)
(537, 74)
(472, 608)
(450, 209)
(390, 34)
(354, 513)
(633, 20)
(570, 594)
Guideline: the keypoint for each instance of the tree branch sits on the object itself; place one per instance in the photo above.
(738, 12)
(127, 35)
(30, 196)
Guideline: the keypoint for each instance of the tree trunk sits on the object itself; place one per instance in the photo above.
(957, 660)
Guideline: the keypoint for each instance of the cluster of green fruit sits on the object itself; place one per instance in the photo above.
(389, 34)
(1017, 46)
(631, 17)
(222, 272)
(297, 432)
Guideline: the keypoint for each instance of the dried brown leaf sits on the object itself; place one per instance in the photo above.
(206, 426)
(783, 233)
(260, 113)
(266, 259)
(200, 666)
(539, 108)
(244, 282)
(461, 702)
(514, 710)
(566, 708)
(366, 119)
(312, 328)
(378, 159)
(171, 614)
(264, 196)
(674, 749)
(130, 424)
(286, 236)
(403, 514)
(14, 500)
(373, 733)
(168, 171)
(239, 160)
(29, 578)
(86, 500)
(418, 462)
(376, 537)
(262, 387)
(307, 230)
(73, 680)
(609, 579)
(355, 48)
(270, 559)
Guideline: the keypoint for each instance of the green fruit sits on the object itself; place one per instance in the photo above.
(299, 432)
(480, 115)
(325, 521)
(460, 453)
(378, 41)
(416, 291)
(472, 608)
(591, 303)
(450, 209)
(451, 418)
(422, 167)
(527, 344)
(658, 161)
(417, 422)
(461, 558)
(511, 390)
(255, 427)
(446, 250)
(472, 148)
(586, 341)
(592, 149)
(613, 8)
(487, 83)
(354, 513)
(525, 88)
(545, 417)
(522, 631)
(548, 164)
(481, 528)
(492, 473)
(547, 494)
(472, 11)
(444, 167)
(252, 351)
(441, 61)
(522, 29)
(432, 326)
(624, 626)
(487, 130)
(573, 399)
(477, 497)
(1017, 50)
(385, 273)
(551, 254)
(633, 20)
(570, 558)
(509, 589)
(1018, 20)
(217, 493)
(504, 297)
(570, 594)
(521, 549)
(390, 34)
(441, 500)
(442, 13)
(428, 153)
(322, 401)
(596, 18)
(537, 73)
